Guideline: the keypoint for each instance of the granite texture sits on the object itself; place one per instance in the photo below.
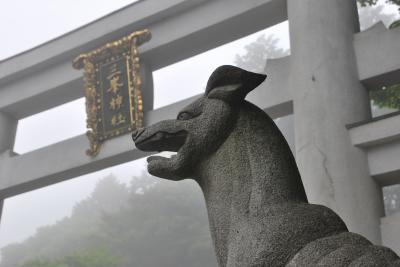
(257, 207)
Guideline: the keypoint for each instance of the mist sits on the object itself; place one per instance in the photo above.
(28, 215)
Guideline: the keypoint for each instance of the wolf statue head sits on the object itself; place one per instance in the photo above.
(257, 207)
(200, 128)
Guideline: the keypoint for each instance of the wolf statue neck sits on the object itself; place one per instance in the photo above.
(252, 189)
(254, 160)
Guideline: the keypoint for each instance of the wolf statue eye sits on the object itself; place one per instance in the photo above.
(184, 116)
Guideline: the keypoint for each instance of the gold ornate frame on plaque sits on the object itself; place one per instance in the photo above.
(112, 88)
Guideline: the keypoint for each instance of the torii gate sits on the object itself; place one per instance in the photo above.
(345, 157)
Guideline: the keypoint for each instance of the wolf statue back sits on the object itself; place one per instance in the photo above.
(257, 207)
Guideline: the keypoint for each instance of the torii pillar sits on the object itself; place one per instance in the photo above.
(327, 96)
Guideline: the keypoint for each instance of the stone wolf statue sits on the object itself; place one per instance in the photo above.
(257, 207)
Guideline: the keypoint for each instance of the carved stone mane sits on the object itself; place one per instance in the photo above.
(257, 206)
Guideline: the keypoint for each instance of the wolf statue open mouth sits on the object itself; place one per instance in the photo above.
(160, 141)
(258, 211)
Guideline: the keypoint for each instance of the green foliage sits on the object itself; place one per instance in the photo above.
(388, 97)
(146, 224)
(98, 257)
(91, 258)
(165, 225)
(39, 263)
(373, 2)
(367, 2)
(395, 24)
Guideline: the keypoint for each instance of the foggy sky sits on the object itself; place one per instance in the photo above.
(28, 23)
(24, 213)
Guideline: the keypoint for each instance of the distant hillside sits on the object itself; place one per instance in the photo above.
(149, 223)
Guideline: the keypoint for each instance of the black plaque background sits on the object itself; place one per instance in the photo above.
(106, 129)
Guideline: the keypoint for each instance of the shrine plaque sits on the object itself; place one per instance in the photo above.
(112, 88)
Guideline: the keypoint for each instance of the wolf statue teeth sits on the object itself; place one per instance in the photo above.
(257, 207)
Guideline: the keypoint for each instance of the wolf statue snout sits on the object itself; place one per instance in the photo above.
(257, 207)
(137, 133)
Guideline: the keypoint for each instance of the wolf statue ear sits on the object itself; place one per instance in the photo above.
(230, 83)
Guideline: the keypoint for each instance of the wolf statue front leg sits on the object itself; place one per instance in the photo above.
(257, 207)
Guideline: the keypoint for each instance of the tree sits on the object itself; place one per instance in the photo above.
(75, 233)
(364, 3)
(370, 15)
(258, 52)
(96, 257)
(39, 263)
(387, 97)
(163, 225)
(149, 223)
